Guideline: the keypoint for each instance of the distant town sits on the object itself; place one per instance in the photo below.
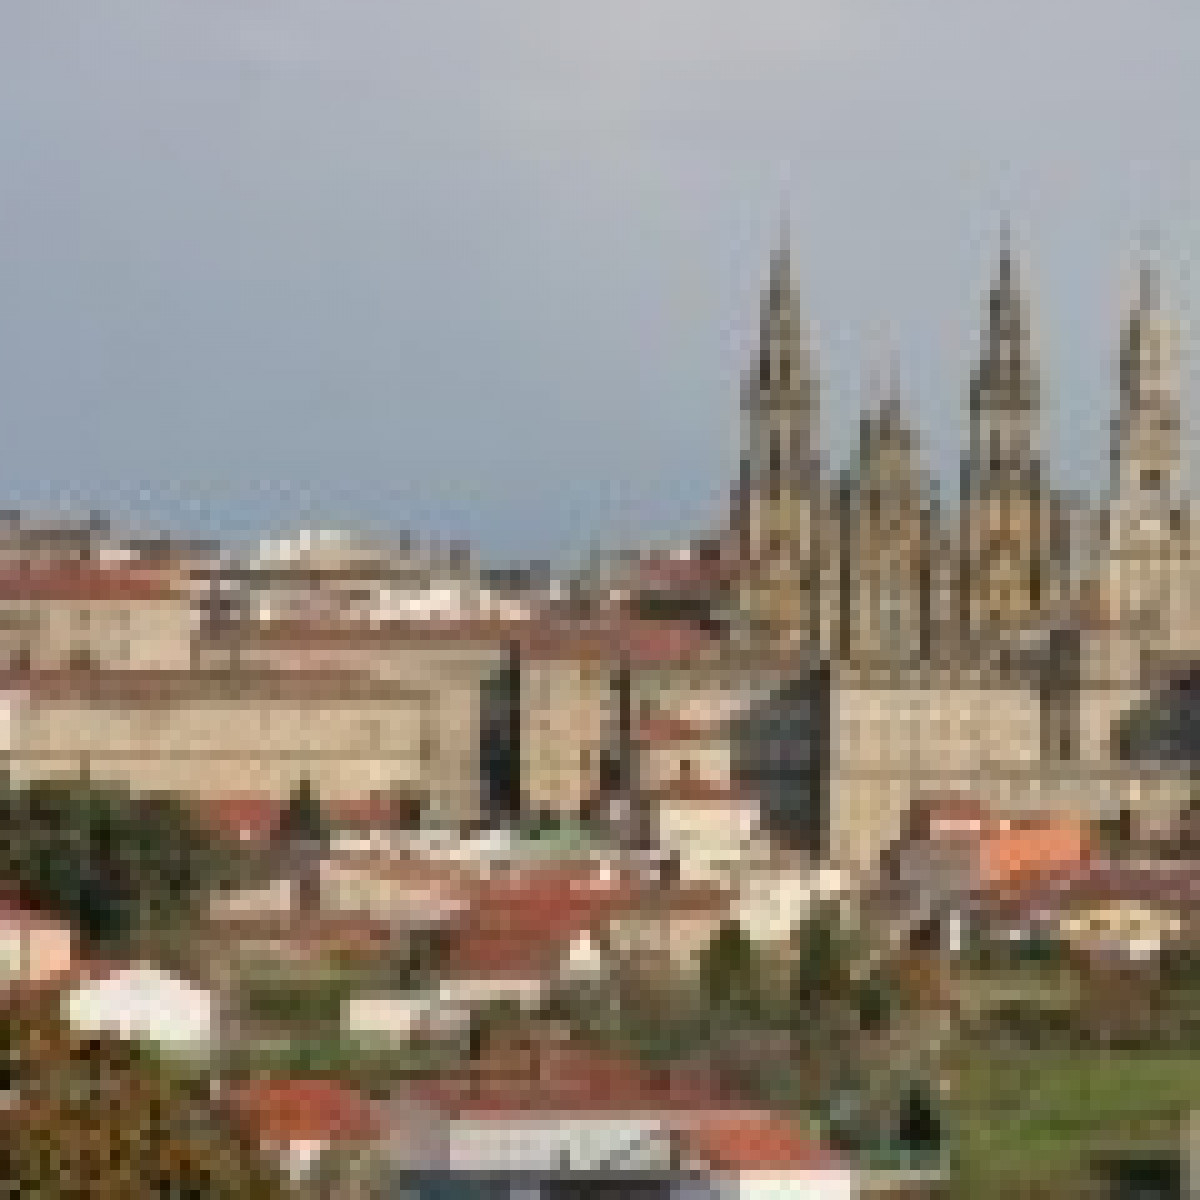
(846, 849)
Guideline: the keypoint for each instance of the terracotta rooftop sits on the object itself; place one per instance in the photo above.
(755, 1143)
(504, 954)
(646, 643)
(252, 815)
(82, 582)
(548, 903)
(287, 1110)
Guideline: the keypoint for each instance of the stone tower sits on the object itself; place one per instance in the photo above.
(782, 504)
(1010, 525)
(1147, 538)
(887, 524)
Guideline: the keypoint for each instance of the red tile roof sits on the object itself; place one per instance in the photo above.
(755, 1143)
(500, 954)
(552, 902)
(83, 582)
(253, 815)
(646, 643)
(287, 1110)
(569, 1080)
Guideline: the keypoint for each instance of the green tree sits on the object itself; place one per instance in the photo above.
(918, 1128)
(105, 858)
(731, 972)
(303, 818)
(820, 976)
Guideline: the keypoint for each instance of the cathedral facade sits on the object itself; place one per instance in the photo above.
(1002, 651)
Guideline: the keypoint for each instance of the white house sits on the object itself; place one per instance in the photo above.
(147, 1003)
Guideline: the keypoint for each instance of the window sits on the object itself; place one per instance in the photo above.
(1151, 479)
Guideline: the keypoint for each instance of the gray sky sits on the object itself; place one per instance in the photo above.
(489, 268)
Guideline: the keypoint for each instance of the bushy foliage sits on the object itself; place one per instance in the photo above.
(93, 1116)
(107, 859)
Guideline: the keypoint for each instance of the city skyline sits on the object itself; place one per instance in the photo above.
(266, 331)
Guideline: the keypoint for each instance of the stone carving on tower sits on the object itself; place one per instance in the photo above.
(1012, 535)
(888, 543)
(783, 505)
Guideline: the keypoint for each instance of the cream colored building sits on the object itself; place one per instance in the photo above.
(892, 739)
(60, 615)
(568, 719)
(205, 733)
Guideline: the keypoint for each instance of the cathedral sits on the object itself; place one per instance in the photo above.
(867, 570)
(1000, 650)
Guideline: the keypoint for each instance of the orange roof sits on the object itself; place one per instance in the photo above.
(287, 1110)
(755, 1143)
(83, 582)
(1031, 848)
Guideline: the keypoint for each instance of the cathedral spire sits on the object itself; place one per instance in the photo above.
(1147, 515)
(786, 373)
(1011, 530)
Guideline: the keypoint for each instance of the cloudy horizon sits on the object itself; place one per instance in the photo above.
(491, 270)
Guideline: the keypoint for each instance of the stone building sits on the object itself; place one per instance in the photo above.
(79, 614)
(202, 734)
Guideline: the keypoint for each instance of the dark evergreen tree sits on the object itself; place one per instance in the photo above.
(303, 819)
(919, 1127)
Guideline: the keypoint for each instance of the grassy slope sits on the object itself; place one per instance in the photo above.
(1044, 1117)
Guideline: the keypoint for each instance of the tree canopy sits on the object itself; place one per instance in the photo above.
(96, 1116)
(105, 858)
